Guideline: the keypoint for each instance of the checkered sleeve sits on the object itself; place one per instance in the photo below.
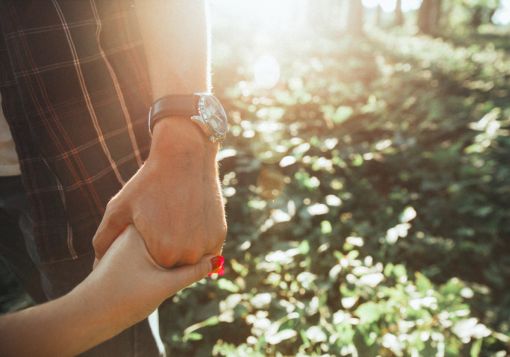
(75, 92)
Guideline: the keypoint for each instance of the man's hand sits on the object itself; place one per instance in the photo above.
(174, 200)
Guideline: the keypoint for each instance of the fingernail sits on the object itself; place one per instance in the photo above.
(217, 263)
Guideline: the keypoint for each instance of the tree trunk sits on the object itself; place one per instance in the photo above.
(399, 15)
(476, 19)
(429, 17)
(355, 20)
(378, 16)
(424, 15)
(482, 15)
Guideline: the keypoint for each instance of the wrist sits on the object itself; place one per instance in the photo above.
(96, 306)
(176, 137)
(82, 323)
(90, 307)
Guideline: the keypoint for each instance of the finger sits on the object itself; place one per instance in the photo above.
(191, 256)
(165, 255)
(216, 245)
(179, 278)
(218, 249)
(114, 221)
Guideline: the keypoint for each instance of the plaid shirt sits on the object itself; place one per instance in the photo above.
(76, 93)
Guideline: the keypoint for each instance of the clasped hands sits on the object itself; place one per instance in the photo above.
(174, 201)
(158, 236)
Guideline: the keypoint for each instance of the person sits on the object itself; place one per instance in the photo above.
(114, 296)
(77, 80)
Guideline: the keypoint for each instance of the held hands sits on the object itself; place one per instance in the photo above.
(174, 200)
(127, 285)
(124, 288)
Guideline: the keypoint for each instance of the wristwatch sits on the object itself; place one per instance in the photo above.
(203, 109)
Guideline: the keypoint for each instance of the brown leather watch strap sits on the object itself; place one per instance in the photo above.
(173, 106)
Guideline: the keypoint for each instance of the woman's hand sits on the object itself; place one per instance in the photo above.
(128, 284)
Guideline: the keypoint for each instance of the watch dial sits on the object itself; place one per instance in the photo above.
(214, 114)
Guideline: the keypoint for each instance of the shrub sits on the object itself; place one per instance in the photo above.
(367, 199)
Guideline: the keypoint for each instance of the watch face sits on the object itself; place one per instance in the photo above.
(213, 114)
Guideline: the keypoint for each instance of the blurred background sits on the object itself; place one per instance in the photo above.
(367, 181)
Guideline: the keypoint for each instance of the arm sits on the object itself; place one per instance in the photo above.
(113, 297)
(175, 199)
(175, 36)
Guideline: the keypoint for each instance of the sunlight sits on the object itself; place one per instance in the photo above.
(370, 3)
(289, 16)
(502, 15)
(410, 5)
(266, 71)
(389, 5)
(261, 14)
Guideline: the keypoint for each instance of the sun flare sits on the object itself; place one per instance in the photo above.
(266, 71)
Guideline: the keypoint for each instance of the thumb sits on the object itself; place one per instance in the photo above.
(116, 218)
(179, 278)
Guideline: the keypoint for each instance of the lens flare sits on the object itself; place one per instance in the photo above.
(266, 72)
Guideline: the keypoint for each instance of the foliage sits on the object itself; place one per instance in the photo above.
(368, 200)
(468, 15)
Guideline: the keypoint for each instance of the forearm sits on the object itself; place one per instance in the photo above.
(175, 37)
(63, 327)
(175, 199)
(113, 297)
(176, 42)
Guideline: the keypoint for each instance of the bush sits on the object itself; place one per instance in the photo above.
(367, 199)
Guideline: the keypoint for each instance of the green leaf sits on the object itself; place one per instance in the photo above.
(369, 312)
(476, 347)
(227, 285)
(326, 227)
(422, 283)
(341, 114)
(193, 336)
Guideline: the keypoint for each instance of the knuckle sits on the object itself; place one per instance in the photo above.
(96, 244)
(163, 252)
(221, 234)
(166, 260)
(165, 247)
(191, 256)
(140, 221)
(201, 269)
(107, 222)
(214, 242)
(224, 230)
(111, 204)
(115, 208)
